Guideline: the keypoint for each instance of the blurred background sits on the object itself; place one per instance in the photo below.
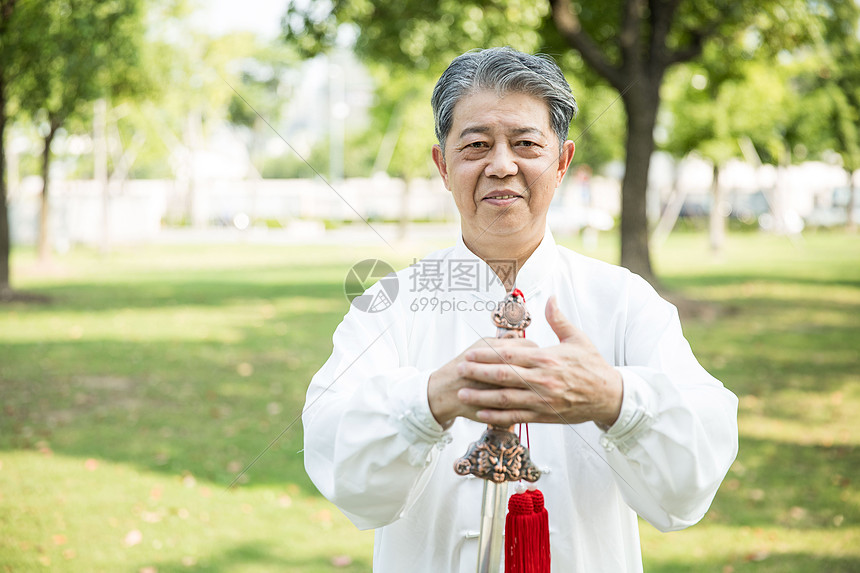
(185, 185)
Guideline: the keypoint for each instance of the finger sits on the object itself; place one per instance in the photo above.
(474, 384)
(504, 343)
(506, 418)
(502, 399)
(507, 375)
(563, 328)
(517, 355)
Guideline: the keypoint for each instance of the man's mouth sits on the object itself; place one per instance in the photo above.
(500, 197)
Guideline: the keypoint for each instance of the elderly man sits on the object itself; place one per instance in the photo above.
(623, 419)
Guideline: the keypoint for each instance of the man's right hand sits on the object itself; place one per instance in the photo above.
(444, 383)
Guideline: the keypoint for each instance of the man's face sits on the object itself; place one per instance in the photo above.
(502, 165)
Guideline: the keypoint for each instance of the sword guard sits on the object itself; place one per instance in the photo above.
(498, 457)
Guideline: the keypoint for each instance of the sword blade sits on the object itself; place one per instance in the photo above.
(490, 542)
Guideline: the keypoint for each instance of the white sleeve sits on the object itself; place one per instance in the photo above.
(676, 435)
(369, 435)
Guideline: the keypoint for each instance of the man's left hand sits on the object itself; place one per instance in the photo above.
(569, 383)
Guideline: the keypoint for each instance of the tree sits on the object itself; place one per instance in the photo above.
(839, 77)
(202, 72)
(713, 103)
(7, 70)
(629, 43)
(71, 53)
(262, 86)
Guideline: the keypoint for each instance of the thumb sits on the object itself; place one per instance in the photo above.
(563, 328)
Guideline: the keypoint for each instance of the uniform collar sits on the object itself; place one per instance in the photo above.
(531, 276)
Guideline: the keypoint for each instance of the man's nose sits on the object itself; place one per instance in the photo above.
(502, 162)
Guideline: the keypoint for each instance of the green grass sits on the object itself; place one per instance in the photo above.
(133, 399)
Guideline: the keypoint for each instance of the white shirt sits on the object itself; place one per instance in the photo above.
(373, 448)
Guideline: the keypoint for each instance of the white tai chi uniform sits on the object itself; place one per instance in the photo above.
(373, 448)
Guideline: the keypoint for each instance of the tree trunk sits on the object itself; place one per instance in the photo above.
(717, 220)
(44, 244)
(5, 240)
(100, 168)
(850, 223)
(403, 223)
(641, 110)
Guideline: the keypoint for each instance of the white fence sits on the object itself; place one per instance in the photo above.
(138, 211)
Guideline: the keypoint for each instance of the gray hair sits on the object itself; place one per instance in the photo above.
(504, 70)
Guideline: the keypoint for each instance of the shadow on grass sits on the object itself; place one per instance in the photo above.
(780, 563)
(780, 278)
(260, 557)
(87, 297)
(790, 485)
(769, 345)
(174, 406)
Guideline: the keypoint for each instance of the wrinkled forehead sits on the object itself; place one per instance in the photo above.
(514, 112)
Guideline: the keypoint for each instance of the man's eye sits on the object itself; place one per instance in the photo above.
(477, 144)
(526, 143)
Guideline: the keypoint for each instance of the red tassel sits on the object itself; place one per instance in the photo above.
(527, 534)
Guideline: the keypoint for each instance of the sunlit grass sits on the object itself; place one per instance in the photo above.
(156, 375)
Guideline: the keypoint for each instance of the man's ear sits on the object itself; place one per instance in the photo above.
(568, 148)
(439, 160)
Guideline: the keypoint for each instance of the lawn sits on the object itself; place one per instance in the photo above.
(156, 375)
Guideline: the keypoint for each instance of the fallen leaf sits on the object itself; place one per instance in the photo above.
(151, 516)
(60, 539)
(133, 537)
(758, 555)
(797, 513)
(91, 464)
(341, 560)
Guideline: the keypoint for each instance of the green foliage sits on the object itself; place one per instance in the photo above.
(838, 78)
(266, 78)
(599, 127)
(419, 35)
(402, 122)
(67, 53)
(204, 80)
(787, 82)
(359, 154)
(408, 45)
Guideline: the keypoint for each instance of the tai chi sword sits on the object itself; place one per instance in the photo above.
(498, 457)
